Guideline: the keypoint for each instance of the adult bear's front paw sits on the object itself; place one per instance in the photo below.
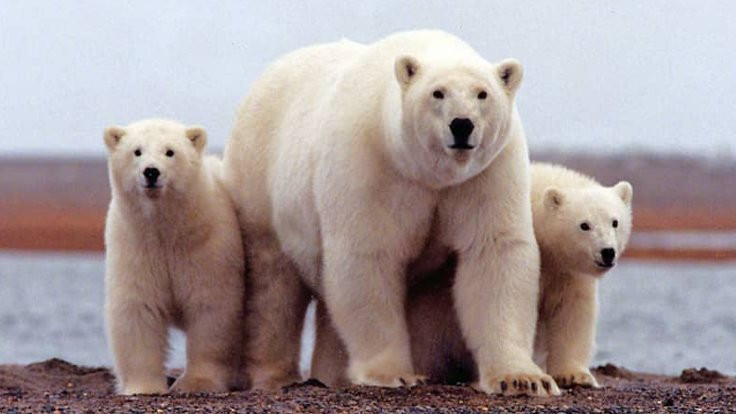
(569, 378)
(532, 383)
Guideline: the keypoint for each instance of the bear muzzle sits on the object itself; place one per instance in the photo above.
(151, 175)
(608, 258)
(461, 129)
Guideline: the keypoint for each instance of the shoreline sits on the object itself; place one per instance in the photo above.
(60, 204)
(35, 227)
(59, 386)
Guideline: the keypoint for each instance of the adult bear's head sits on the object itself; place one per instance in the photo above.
(455, 114)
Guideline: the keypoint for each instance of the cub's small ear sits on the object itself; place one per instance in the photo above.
(625, 191)
(113, 135)
(197, 136)
(406, 69)
(553, 198)
(510, 72)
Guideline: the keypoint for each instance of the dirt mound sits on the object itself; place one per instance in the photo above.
(613, 371)
(56, 376)
(701, 376)
(56, 366)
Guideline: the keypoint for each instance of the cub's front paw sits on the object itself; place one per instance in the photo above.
(531, 384)
(145, 387)
(575, 377)
(192, 383)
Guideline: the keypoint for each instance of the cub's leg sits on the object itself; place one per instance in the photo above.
(330, 359)
(276, 302)
(139, 340)
(214, 330)
(437, 345)
(569, 335)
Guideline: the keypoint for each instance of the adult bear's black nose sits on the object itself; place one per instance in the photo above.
(151, 174)
(461, 129)
(608, 254)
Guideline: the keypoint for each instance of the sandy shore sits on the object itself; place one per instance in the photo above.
(56, 386)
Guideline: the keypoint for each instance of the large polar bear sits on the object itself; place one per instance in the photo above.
(582, 229)
(174, 257)
(349, 162)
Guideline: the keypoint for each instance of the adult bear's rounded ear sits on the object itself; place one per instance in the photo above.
(197, 136)
(406, 69)
(510, 72)
(113, 134)
(553, 198)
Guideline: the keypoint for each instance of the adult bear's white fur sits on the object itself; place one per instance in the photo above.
(341, 165)
(174, 257)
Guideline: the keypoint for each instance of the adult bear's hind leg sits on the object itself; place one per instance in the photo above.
(275, 307)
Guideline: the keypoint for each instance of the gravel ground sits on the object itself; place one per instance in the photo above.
(56, 386)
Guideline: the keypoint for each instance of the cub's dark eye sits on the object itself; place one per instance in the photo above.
(584, 226)
(438, 94)
(615, 223)
(137, 152)
(482, 95)
(169, 153)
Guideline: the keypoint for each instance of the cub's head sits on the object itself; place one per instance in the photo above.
(586, 229)
(153, 158)
(456, 114)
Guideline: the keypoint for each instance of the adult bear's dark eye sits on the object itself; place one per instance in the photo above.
(482, 95)
(137, 152)
(438, 94)
(169, 153)
(584, 226)
(615, 223)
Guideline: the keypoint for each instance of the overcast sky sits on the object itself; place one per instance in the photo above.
(599, 76)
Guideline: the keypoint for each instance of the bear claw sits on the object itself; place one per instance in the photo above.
(534, 385)
(577, 379)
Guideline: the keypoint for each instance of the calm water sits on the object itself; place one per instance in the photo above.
(656, 317)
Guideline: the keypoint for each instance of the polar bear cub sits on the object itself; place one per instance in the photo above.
(174, 257)
(582, 228)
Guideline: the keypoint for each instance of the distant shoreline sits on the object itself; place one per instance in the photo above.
(60, 204)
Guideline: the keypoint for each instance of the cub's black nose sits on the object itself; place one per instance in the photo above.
(461, 129)
(151, 174)
(608, 255)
